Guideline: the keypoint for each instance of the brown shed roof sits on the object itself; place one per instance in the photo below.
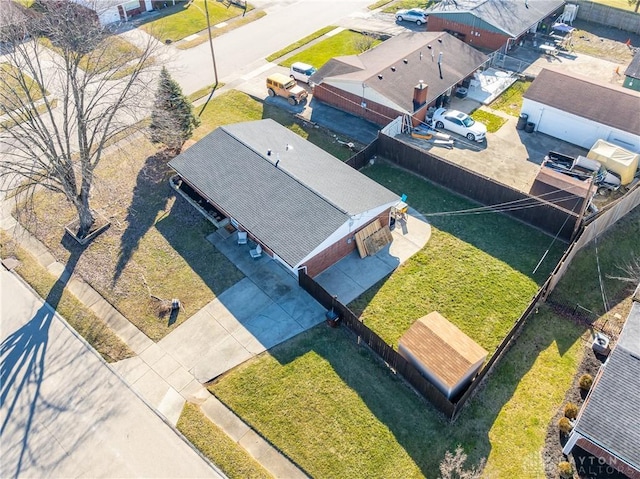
(610, 105)
(442, 347)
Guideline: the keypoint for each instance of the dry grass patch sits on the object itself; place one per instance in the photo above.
(156, 244)
(219, 448)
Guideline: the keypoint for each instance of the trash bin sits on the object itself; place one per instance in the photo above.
(522, 121)
(529, 127)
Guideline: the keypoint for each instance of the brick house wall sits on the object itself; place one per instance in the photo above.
(374, 112)
(339, 249)
(486, 39)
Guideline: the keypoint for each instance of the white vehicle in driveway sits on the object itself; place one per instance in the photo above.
(460, 123)
(301, 71)
(416, 15)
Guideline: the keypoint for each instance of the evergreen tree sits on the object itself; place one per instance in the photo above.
(172, 118)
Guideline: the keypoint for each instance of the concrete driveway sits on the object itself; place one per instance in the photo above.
(262, 310)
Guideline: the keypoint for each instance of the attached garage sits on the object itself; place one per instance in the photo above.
(579, 111)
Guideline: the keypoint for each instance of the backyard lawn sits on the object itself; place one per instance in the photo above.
(346, 42)
(337, 412)
(510, 101)
(476, 270)
(187, 18)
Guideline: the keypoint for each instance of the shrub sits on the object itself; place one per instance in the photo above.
(586, 380)
(564, 425)
(571, 411)
(565, 469)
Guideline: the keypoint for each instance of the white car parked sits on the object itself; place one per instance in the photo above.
(460, 123)
(416, 15)
(301, 71)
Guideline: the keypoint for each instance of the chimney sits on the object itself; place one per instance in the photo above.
(419, 95)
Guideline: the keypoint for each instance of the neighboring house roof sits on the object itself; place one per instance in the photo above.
(511, 17)
(291, 208)
(459, 60)
(633, 70)
(442, 348)
(12, 15)
(610, 105)
(610, 418)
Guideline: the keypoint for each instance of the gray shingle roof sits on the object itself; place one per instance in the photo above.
(611, 416)
(513, 17)
(459, 60)
(633, 70)
(610, 105)
(291, 208)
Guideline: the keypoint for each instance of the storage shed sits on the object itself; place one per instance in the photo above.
(442, 353)
(562, 190)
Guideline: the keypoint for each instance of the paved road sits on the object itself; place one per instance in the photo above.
(241, 51)
(64, 413)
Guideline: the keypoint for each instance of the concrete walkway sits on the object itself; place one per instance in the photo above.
(155, 374)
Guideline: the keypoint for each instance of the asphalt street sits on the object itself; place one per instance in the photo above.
(65, 413)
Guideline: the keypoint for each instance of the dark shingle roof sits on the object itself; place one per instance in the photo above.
(633, 70)
(293, 208)
(611, 416)
(610, 105)
(459, 60)
(513, 17)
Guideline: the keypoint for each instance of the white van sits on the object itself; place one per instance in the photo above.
(301, 71)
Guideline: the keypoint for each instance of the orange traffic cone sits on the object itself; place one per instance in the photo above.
(628, 42)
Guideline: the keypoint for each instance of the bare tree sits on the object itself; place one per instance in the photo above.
(68, 89)
(635, 4)
(452, 466)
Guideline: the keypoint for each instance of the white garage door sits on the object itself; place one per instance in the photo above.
(568, 128)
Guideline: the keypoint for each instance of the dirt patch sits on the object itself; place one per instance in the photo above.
(604, 42)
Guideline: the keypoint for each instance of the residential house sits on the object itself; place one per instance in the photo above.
(301, 204)
(606, 435)
(578, 110)
(632, 73)
(404, 75)
(493, 24)
(111, 11)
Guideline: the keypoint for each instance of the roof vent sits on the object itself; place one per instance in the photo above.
(379, 77)
(393, 69)
(405, 61)
(429, 47)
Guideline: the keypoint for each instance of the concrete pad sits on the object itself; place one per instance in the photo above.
(224, 418)
(131, 369)
(152, 354)
(191, 341)
(274, 280)
(166, 365)
(195, 393)
(179, 379)
(302, 307)
(338, 283)
(272, 326)
(171, 406)
(85, 293)
(277, 464)
(151, 387)
(227, 354)
(365, 272)
(244, 299)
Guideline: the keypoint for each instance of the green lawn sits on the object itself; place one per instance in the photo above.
(346, 42)
(219, 448)
(234, 106)
(476, 269)
(336, 411)
(511, 100)
(187, 18)
(299, 43)
(491, 121)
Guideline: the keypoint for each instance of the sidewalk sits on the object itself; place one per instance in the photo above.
(153, 373)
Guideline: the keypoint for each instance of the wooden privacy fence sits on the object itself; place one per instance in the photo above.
(524, 207)
(398, 363)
